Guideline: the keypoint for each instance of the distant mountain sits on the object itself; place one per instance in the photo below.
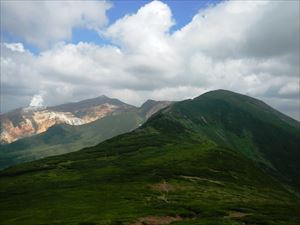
(220, 158)
(26, 122)
(97, 119)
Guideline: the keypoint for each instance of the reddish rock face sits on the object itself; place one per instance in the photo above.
(10, 133)
(38, 121)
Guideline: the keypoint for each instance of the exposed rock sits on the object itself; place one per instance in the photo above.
(27, 122)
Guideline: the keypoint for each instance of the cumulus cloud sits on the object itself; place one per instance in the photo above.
(249, 47)
(45, 22)
(144, 31)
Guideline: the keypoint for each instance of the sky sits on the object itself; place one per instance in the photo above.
(54, 52)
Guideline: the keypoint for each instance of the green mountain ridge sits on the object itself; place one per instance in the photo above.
(233, 120)
(214, 160)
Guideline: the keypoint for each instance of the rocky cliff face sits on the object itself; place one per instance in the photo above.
(30, 121)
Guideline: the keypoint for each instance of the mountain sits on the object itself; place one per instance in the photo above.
(150, 107)
(246, 125)
(62, 137)
(26, 122)
(214, 159)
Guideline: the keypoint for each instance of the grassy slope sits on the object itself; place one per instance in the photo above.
(167, 167)
(61, 139)
(249, 126)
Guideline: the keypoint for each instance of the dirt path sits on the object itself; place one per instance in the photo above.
(157, 220)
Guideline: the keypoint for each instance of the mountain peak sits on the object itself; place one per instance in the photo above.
(150, 107)
(221, 92)
(148, 102)
(103, 97)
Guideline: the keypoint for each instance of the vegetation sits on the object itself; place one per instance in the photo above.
(202, 161)
(64, 138)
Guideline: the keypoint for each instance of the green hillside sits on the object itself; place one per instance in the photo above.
(61, 139)
(210, 160)
(246, 125)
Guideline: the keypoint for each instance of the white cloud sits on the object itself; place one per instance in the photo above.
(228, 46)
(17, 47)
(45, 22)
(145, 31)
(290, 89)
